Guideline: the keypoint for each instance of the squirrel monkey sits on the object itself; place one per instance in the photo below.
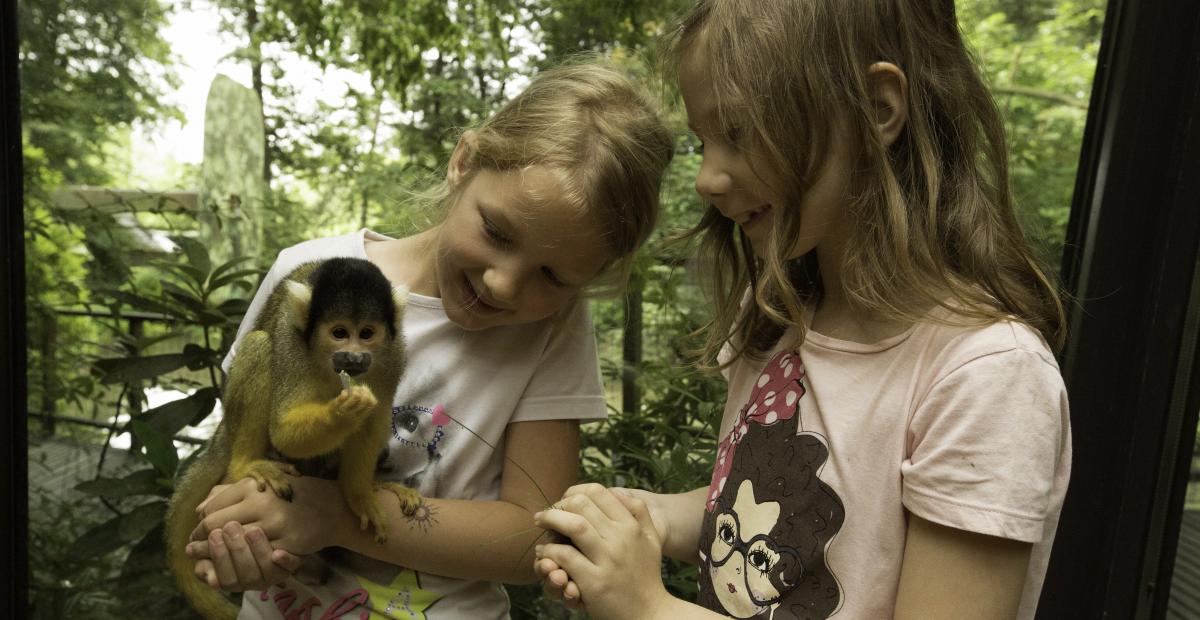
(315, 377)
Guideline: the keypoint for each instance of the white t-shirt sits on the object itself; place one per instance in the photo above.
(822, 452)
(483, 380)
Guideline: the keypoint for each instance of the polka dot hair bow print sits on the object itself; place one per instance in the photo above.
(775, 398)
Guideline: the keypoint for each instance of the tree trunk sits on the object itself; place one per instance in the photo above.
(256, 79)
(631, 391)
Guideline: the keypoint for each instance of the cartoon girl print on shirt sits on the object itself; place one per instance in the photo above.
(420, 434)
(770, 518)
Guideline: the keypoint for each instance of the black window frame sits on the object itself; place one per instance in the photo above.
(1131, 359)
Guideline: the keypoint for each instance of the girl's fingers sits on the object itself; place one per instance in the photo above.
(577, 527)
(638, 509)
(542, 567)
(571, 596)
(245, 565)
(222, 496)
(206, 572)
(569, 558)
(285, 560)
(272, 572)
(226, 573)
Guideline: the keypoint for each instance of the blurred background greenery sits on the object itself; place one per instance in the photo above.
(132, 300)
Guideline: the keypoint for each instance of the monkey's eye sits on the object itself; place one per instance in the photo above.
(366, 333)
(340, 333)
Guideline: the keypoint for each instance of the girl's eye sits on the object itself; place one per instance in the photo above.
(341, 333)
(552, 278)
(494, 233)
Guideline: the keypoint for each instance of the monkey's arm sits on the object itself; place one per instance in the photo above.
(305, 427)
(469, 539)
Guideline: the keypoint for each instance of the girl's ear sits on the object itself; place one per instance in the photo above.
(460, 161)
(889, 95)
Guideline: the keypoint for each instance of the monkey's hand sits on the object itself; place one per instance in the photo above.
(355, 403)
(410, 499)
(266, 474)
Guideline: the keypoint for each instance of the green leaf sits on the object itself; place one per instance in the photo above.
(141, 482)
(143, 519)
(217, 282)
(170, 418)
(197, 256)
(160, 449)
(221, 269)
(102, 539)
(138, 302)
(234, 307)
(130, 369)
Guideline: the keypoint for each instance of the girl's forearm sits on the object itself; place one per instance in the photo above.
(685, 513)
(466, 539)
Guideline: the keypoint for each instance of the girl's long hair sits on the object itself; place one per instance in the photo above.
(933, 220)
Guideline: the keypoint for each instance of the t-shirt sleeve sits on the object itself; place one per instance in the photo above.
(566, 383)
(985, 444)
(274, 276)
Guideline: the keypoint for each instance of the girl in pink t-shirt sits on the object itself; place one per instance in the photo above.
(895, 440)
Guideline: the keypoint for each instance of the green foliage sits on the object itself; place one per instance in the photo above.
(209, 298)
(1039, 59)
(87, 67)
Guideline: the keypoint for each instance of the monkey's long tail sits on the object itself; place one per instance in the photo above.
(200, 478)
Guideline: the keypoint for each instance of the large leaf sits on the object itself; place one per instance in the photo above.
(102, 539)
(217, 283)
(130, 369)
(234, 307)
(197, 256)
(171, 417)
(141, 520)
(141, 482)
(160, 449)
(119, 531)
(141, 303)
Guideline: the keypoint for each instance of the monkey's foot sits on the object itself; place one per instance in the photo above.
(271, 474)
(409, 498)
(368, 511)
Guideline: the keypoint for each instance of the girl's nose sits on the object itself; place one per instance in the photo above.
(712, 181)
(502, 284)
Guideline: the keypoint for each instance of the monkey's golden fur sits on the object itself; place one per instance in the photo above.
(283, 392)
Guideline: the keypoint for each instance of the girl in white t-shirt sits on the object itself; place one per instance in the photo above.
(895, 441)
(545, 201)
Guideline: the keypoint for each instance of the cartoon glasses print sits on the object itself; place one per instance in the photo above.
(760, 553)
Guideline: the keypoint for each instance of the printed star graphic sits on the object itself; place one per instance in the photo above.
(402, 599)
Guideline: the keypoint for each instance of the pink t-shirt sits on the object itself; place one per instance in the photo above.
(823, 451)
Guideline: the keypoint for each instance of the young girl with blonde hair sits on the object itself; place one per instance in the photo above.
(896, 440)
(545, 202)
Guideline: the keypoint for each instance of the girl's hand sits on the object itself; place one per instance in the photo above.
(242, 559)
(617, 552)
(305, 525)
(556, 583)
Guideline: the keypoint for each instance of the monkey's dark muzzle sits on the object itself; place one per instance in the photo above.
(353, 364)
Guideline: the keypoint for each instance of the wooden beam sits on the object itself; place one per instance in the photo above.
(110, 200)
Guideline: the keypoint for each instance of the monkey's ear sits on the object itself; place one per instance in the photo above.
(298, 300)
(400, 296)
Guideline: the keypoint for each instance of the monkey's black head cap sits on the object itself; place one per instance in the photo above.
(354, 288)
